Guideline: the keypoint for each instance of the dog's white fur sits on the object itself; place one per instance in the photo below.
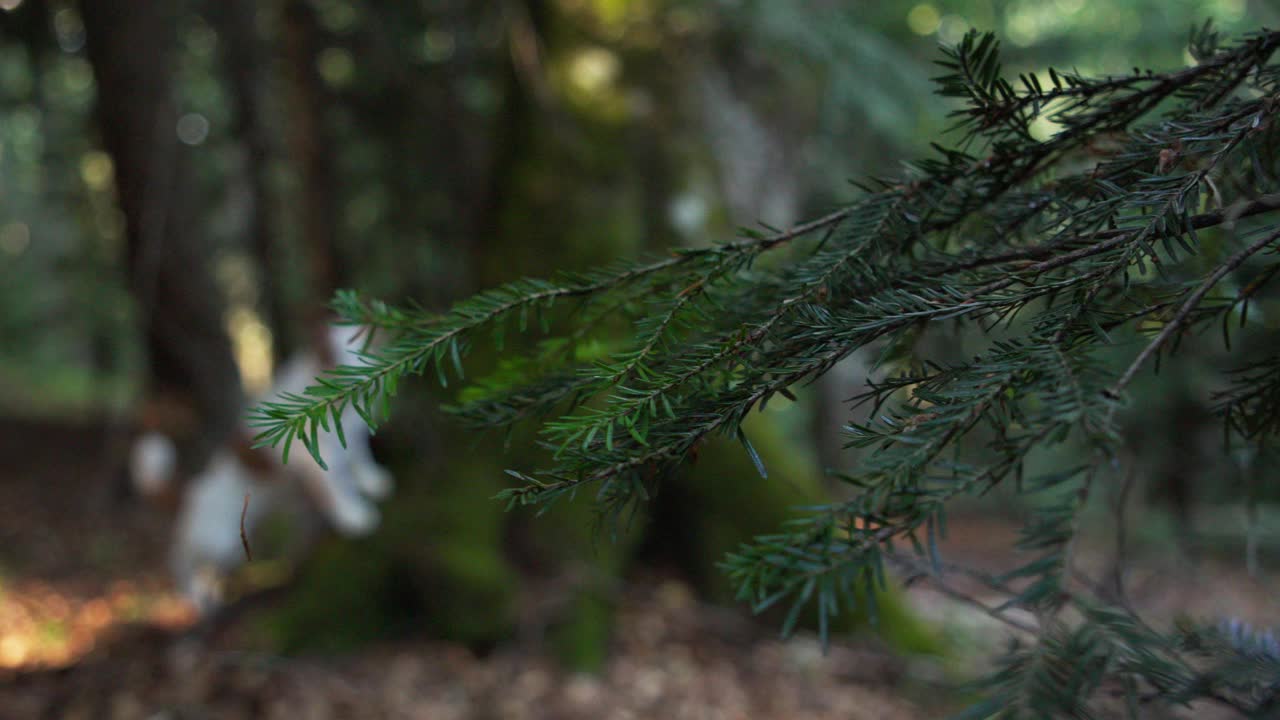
(207, 543)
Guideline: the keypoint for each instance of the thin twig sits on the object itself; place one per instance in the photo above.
(244, 536)
(1184, 312)
(946, 588)
(1265, 203)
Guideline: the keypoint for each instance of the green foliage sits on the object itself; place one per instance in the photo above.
(451, 579)
(1104, 237)
(341, 576)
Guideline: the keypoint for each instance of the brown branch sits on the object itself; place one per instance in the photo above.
(244, 535)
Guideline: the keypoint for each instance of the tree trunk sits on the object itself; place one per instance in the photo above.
(130, 45)
(247, 64)
(311, 150)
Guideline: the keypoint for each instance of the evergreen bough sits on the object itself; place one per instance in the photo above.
(1141, 220)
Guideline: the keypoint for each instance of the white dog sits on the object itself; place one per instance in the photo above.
(207, 543)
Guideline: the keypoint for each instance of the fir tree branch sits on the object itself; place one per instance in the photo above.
(1062, 241)
(1184, 312)
(301, 417)
(942, 585)
(1107, 239)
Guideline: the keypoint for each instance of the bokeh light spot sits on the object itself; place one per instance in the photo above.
(688, 212)
(78, 75)
(193, 128)
(594, 68)
(96, 170)
(437, 46)
(69, 30)
(924, 19)
(336, 66)
(1022, 28)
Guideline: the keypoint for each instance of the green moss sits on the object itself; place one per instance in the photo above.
(593, 557)
(728, 503)
(436, 565)
(450, 534)
(725, 502)
(339, 601)
(467, 594)
(581, 642)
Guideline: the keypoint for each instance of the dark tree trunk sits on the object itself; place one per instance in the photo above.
(247, 66)
(311, 151)
(130, 45)
(513, 139)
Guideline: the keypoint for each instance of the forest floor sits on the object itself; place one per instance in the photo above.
(89, 628)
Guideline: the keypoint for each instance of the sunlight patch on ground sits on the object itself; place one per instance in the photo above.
(43, 625)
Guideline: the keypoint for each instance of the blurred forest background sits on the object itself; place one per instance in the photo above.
(183, 185)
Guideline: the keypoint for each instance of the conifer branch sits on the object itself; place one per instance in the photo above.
(1051, 263)
(1184, 312)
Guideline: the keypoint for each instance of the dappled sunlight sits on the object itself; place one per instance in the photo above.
(251, 342)
(45, 624)
(675, 658)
